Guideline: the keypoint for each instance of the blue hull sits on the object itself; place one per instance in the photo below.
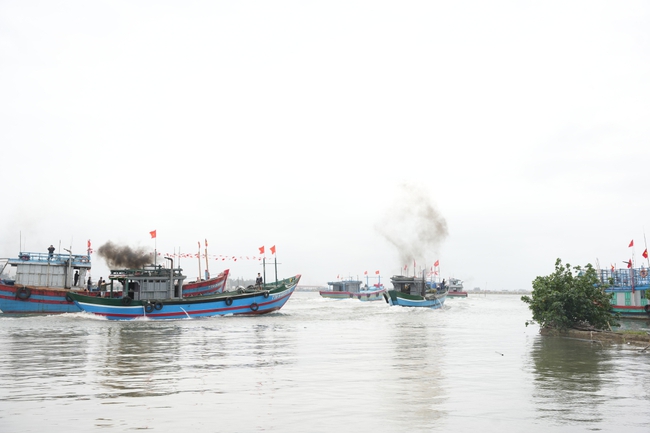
(396, 298)
(205, 306)
(39, 301)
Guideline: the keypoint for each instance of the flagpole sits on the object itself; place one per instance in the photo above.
(646, 249)
(207, 271)
(199, 258)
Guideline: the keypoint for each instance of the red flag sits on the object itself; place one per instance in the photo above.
(261, 250)
(377, 272)
(365, 273)
(89, 244)
(437, 263)
(613, 268)
(629, 264)
(645, 253)
(199, 242)
(153, 234)
(631, 243)
(406, 267)
(206, 243)
(273, 249)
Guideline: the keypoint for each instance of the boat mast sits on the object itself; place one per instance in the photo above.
(198, 256)
(207, 272)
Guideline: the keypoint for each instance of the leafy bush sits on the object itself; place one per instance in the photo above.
(570, 299)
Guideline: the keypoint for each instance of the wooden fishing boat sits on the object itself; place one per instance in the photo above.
(630, 291)
(207, 287)
(455, 289)
(352, 289)
(155, 292)
(37, 283)
(415, 292)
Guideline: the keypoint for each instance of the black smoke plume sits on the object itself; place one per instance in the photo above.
(414, 226)
(122, 256)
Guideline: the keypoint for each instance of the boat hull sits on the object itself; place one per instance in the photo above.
(375, 295)
(37, 300)
(227, 303)
(457, 294)
(397, 298)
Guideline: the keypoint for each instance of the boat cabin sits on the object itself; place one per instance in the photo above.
(351, 286)
(150, 282)
(49, 270)
(409, 285)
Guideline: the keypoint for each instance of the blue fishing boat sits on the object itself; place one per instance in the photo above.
(155, 292)
(415, 292)
(37, 283)
(353, 289)
(630, 290)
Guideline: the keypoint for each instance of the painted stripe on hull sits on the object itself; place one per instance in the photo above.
(179, 310)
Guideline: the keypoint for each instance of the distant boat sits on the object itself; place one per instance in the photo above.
(155, 292)
(455, 289)
(41, 282)
(630, 290)
(351, 289)
(415, 292)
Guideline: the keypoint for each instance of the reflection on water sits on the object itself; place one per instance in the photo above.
(318, 366)
(417, 352)
(568, 377)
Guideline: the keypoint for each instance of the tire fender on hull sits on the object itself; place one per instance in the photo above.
(23, 293)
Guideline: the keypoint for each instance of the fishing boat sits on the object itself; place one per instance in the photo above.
(353, 289)
(155, 292)
(415, 292)
(455, 289)
(37, 283)
(630, 290)
(207, 287)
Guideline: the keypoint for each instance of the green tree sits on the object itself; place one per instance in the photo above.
(570, 299)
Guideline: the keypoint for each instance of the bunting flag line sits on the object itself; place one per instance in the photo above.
(153, 234)
(631, 243)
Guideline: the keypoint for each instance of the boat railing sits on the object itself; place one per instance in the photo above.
(54, 259)
(624, 279)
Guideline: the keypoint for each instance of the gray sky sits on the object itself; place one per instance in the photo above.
(354, 136)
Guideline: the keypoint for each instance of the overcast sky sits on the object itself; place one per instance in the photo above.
(354, 136)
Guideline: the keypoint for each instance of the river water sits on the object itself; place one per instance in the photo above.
(319, 366)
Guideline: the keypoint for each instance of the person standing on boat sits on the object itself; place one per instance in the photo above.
(51, 251)
(99, 284)
(90, 284)
(259, 281)
(76, 277)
